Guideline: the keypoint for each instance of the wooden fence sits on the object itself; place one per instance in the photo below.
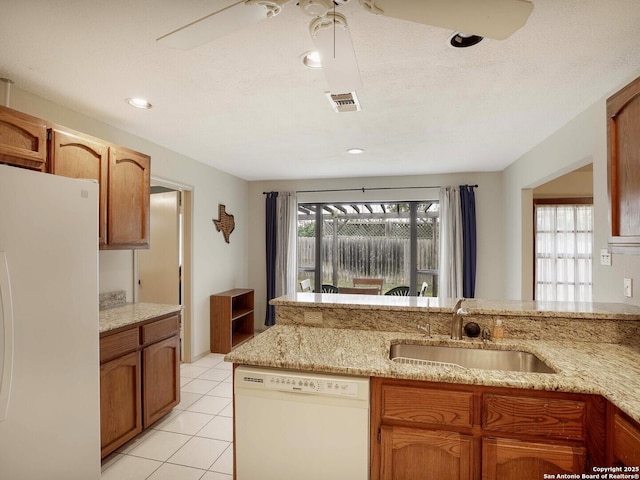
(373, 257)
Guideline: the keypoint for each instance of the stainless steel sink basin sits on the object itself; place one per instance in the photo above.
(509, 360)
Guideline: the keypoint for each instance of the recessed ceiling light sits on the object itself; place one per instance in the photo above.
(139, 103)
(463, 40)
(311, 59)
(355, 151)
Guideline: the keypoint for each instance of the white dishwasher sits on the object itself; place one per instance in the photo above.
(300, 426)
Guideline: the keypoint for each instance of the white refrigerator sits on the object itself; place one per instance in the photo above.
(49, 360)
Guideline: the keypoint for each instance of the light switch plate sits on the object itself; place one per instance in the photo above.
(628, 287)
(605, 257)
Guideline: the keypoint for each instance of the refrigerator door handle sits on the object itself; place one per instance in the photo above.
(6, 337)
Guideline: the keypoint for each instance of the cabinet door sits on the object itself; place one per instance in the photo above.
(160, 378)
(415, 454)
(128, 199)
(120, 401)
(623, 112)
(626, 442)
(23, 140)
(504, 459)
(75, 155)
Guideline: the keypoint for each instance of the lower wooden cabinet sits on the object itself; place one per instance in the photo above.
(433, 430)
(139, 378)
(513, 459)
(161, 378)
(408, 454)
(624, 441)
(120, 401)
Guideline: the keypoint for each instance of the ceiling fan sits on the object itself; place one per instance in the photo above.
(496, 19)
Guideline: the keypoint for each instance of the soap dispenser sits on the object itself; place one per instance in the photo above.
(498, 331)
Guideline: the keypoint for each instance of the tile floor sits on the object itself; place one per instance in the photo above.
(194, 441)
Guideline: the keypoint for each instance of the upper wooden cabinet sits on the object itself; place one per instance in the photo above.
(23, 140)
(128, 199)
(124, 178)
(72, 154)
(623, 118)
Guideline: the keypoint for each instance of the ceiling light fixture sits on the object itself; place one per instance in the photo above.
(312, 59)
(464, 40)
(355, 151)
(139, 103)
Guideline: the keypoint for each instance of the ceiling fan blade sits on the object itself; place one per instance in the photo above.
(337, 55)
(497, 19)
(234, 17)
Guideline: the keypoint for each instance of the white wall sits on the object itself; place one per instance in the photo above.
(488, 211)
(217, 265)
(581, 141)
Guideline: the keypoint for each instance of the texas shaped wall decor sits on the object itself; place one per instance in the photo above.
(224, 223)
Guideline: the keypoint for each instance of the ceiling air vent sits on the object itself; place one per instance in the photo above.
(344, 102)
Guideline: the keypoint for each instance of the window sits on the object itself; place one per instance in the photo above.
(395, 242)
(563, 250)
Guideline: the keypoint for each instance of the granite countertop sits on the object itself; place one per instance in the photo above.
(588, 310)
(130, 313)
(608, 369)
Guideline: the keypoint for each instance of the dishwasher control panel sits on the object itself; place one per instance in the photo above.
(301, 383)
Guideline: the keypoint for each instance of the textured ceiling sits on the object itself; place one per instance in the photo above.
(246, 105)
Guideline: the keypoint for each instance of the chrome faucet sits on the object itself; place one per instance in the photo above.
(456, 321)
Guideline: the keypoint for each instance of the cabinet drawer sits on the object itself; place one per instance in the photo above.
(626, 442)
(427, 406)
(160, 329)
(545, 416)
(118, 344)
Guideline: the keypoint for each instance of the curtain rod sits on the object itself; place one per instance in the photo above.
(363, 189)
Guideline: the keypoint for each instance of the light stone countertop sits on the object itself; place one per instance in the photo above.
(130, 313)
(514, 308)
(607, 369)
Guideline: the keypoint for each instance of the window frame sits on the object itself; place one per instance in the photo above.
(552, 201)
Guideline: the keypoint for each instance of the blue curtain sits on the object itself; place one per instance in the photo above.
(271, 239)
(468, 207)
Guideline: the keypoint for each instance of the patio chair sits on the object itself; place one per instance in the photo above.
(399, 291)
(327, 288)
(423, 290)
(305, 285)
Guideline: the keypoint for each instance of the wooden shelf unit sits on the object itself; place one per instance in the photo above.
(231, 317)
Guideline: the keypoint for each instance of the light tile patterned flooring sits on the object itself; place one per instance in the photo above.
(194, 441)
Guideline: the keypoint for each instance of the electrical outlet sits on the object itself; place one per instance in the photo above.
(628, 287)
(313, 318)
(605, 257)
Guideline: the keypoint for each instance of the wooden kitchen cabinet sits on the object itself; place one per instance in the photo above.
(513, 459)
(624, 440)
(139, 378)
(408, 453)
(482, 432)
(23, 140)
(161, 378)
(123, 176)
(128, 199)
(231, 319)
(623, 130)
(76, 155)
(120, 401)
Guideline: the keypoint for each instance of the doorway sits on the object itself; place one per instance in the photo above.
(162, 273)
(563, 237)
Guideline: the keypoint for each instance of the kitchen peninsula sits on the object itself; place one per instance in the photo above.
(139, 367)
(584, 415)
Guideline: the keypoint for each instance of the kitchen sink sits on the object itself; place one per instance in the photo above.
(486, 359)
